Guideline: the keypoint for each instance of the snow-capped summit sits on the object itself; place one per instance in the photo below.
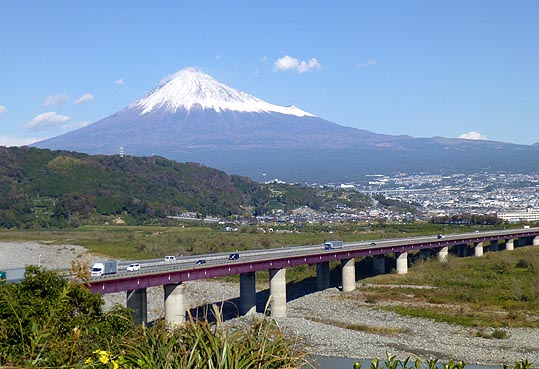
(189, 88)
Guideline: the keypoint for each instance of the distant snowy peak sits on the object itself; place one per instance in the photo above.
(189, 88)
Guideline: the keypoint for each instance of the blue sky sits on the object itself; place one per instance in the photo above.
(421, 68)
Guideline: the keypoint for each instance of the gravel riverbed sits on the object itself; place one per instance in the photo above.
(316, 318)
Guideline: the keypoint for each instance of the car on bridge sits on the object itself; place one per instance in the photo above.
(440, 236)
(170, 258)
(234, 256)
(200, 262)
(133, 267)
(330, 245)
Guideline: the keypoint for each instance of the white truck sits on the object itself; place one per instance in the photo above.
(330, 245)
(104, 267)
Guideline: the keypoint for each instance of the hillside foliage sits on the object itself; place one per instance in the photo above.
(55, 189)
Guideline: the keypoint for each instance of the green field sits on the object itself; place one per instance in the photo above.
(146, 242)
(500, 289)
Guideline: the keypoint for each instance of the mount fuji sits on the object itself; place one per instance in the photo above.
(192, 117)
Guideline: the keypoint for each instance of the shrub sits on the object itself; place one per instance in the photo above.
(523, 264)
(47, 320)
(203, 344)
(371, 298)
(499, 334)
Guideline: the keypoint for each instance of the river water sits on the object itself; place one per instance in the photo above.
(328, 362)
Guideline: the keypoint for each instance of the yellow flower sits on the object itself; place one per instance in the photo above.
(88, 361)
(104, 359)
(115, 365)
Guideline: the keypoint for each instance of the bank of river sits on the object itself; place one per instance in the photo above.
(316, 318)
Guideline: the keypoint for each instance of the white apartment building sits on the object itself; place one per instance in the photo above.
(517, 216)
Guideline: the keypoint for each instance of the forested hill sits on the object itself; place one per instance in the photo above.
(43, 188)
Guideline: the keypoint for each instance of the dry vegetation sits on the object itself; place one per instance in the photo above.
(501, 289)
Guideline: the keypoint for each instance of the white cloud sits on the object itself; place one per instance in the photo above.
(472, 135)
(7, 140)
(75, 125)
(84, 98)
(366, 64)
(119, 82)
(55, 100)
(3, 109)
(47, 120)
(301, 66)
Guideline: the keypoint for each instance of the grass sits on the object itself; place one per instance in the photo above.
(386, 331)
(147, 242)
(500, 289)
(431, 313)
(131, 242)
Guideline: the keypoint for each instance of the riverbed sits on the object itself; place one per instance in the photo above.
(315, 319)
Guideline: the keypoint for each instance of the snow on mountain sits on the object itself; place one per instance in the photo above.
(189, 88)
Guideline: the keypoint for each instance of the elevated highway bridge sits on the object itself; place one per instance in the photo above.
(172, 275)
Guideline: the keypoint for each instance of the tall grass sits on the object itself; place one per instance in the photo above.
(203, 344)
(500, 289)
(391, 362)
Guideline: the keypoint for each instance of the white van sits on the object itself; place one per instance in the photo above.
(170, 258)
(133, 267)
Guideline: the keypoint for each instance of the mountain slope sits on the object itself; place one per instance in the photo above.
(193, 117)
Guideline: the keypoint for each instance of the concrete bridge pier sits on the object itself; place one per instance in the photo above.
(278, 293)
(247, 293)
(174, 304)
(509, 245)
(494, 245)
(535, 241)
(348, 275)
(322, 275)
(379, 264)
(441, 255)
(478, 249)
(137, 302)
(402, 263)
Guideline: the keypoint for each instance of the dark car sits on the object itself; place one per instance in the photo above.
(200, 262)
(440, 236)
(234, 256)
(373, 244)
